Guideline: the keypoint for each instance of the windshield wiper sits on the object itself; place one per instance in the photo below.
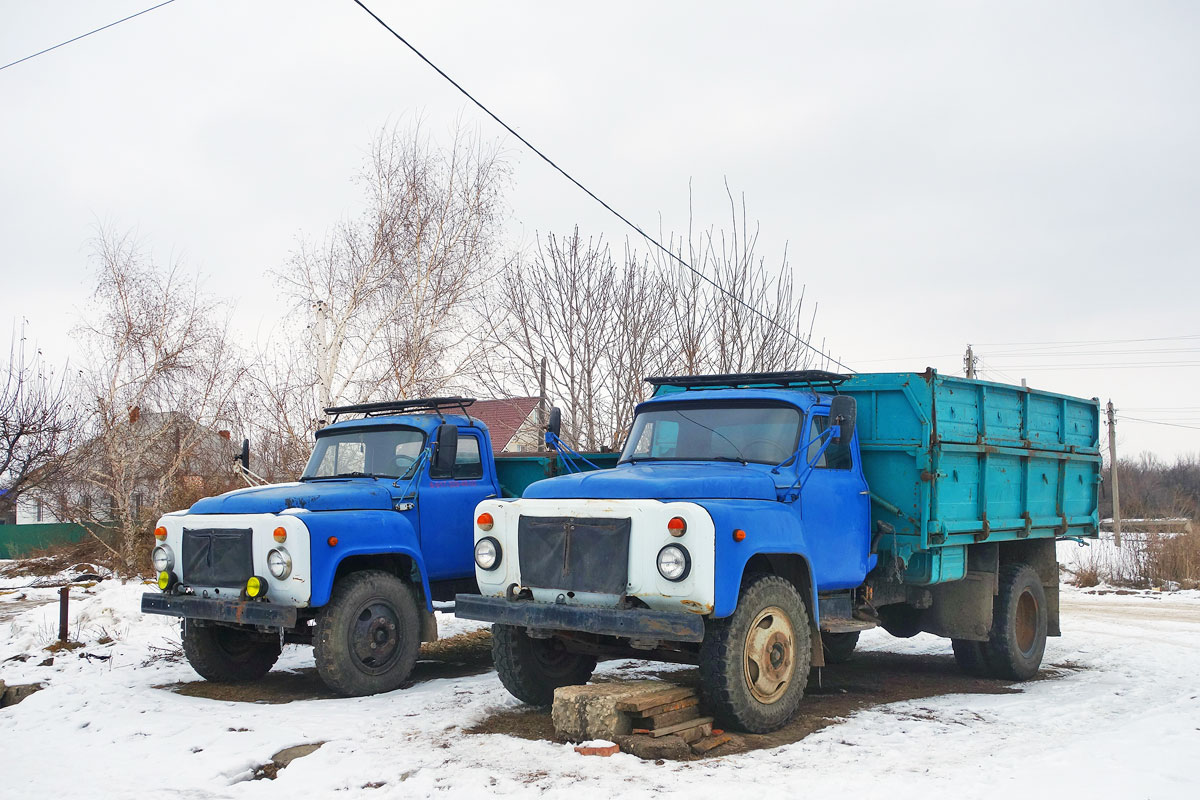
(741, 461)
(339, 475)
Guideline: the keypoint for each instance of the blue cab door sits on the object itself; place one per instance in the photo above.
(446, 508)
(836, 510)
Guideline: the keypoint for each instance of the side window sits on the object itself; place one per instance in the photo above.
(467, 464)
(836, 456)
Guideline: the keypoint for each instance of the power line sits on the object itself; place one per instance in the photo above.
(1089, 341)
(1168, 424)
(85, 35)
(591, 194)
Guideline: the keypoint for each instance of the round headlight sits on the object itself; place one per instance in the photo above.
(279, 563)
(674, 563)
(163, 559)
(487, 553)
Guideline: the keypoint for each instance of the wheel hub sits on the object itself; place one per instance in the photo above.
(1026, 622)
(769, 655)
(373, 637)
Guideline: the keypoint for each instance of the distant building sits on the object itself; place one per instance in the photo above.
(512, 423)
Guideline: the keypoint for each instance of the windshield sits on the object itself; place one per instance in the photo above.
(365, 452)
(762, 433)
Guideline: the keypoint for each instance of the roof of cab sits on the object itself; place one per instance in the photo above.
(802, 399)
(426, 422)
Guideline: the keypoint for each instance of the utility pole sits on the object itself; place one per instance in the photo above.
(1112, 471)
(969, 361)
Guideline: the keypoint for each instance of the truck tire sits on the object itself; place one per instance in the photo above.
(222, 654)
(754, 664)
(838, 647)
(971, 657)
(367, 637)
(1018, 638)
(531, 669)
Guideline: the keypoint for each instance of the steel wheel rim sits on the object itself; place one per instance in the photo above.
(1026, 622)
(375, 637)
(769, 655)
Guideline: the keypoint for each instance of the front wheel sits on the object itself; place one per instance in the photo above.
(754, 664)
(531, 669)
(228, 655)
(367, 638)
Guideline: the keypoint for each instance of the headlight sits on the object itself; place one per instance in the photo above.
(487, 553)
(163, 559)
(279, 563)
(674, 563)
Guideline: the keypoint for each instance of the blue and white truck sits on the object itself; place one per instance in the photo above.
(348, 559)
(755, 524)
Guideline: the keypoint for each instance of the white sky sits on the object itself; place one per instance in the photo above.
(941, 173)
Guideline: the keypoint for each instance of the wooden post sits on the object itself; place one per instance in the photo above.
(1112, 471)
(64, 602)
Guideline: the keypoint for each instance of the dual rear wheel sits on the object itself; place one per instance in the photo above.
(1017, 642)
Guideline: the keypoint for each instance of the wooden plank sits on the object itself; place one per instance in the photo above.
(668, 718)
(687, 702)
(682, 726)
(710, 742)
(652, 699)
(695, 734)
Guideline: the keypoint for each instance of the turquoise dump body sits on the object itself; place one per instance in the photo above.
(516, 471)
(952, 461)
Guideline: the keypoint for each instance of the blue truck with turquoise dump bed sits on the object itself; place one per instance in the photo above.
(351, 557)
(755, 524)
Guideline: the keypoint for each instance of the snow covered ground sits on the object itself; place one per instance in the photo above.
(1123, 722)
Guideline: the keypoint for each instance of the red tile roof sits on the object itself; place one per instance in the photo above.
(503, 417)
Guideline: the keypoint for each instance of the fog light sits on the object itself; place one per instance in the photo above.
(674, 563)
(255, 586)
(279, 563)
(485, 521)
(166, 580)
(162, 558)
(487, 553)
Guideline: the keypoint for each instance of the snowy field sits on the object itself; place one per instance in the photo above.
(1122, 721)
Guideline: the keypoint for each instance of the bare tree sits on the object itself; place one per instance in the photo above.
(387, 292)
(159, 382)
(38, 423)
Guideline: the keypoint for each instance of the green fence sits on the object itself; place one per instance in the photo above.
(19, 541)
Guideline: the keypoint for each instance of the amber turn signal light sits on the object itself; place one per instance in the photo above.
(677, 526)
(332, 541)
(281, 534)
(160, 533)
(485, 521)
(738, 534)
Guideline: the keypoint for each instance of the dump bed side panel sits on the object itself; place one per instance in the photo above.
(952, 461)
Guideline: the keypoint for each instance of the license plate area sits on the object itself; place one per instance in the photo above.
(575, 554)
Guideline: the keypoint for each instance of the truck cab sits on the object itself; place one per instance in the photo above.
(349, 558)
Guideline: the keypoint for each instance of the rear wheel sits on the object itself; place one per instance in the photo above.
(839, 647)
(1019, 620)
(754, 664)
(368, 635)
(228, 655)
(531, 669)
(971, 657)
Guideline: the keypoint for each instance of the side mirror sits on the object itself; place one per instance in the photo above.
(843, 412)
(446, 451)
(555, 424)
(244, 456)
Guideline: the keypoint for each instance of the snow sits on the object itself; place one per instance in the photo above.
(1123, 720)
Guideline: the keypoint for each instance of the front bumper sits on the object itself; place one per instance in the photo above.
(636, 623)
(244, 612)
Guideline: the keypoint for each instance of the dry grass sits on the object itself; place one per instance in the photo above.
(1144, 561)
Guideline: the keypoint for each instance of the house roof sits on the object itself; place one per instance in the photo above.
(503, 417)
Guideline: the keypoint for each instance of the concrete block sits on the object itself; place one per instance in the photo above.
(588, 712)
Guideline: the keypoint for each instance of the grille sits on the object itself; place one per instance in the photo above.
(217, 557)
(574, 554)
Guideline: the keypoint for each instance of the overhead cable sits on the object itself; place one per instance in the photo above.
(85, 35)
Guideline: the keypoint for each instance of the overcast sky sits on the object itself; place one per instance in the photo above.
(1020, 176)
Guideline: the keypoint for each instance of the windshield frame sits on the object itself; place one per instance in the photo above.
(709, 404)
(360, 430)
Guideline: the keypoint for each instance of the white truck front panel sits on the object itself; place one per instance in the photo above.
(294, 590)
(647, 536)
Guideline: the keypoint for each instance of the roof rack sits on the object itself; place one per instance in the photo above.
(435, 404)
(807, 378)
